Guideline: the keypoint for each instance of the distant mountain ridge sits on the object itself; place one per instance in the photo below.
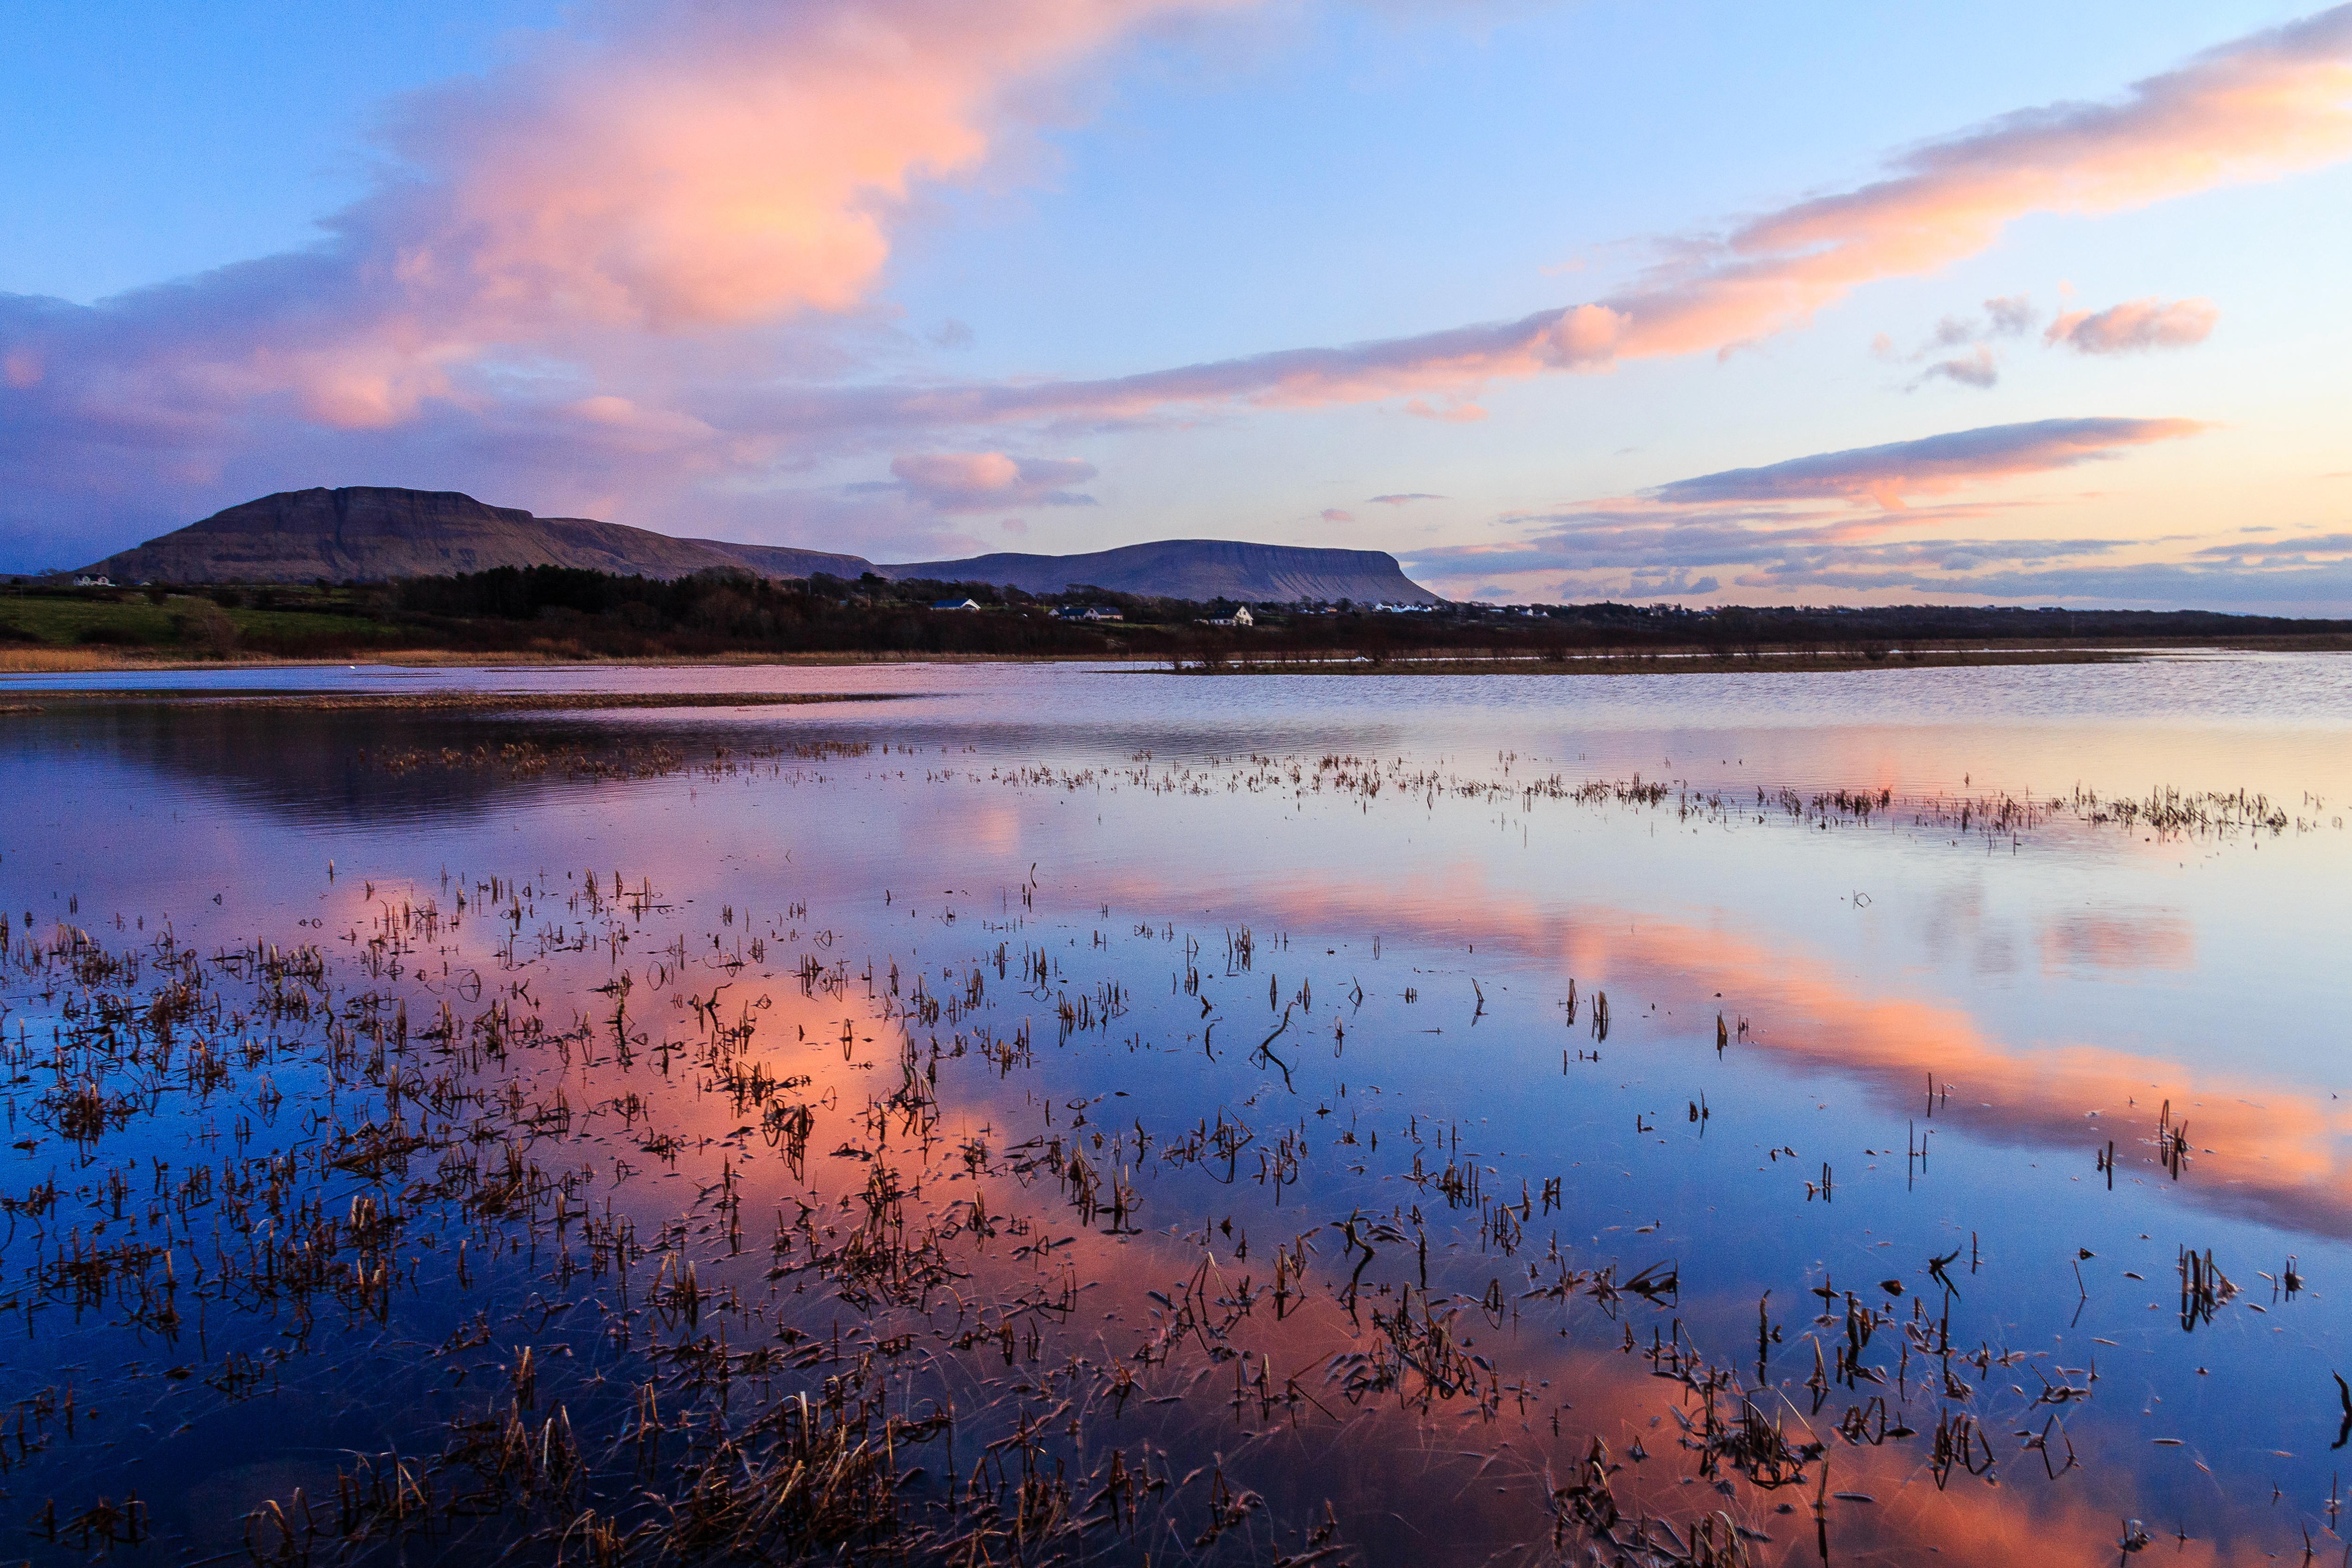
(371, 534)
(1202, 569)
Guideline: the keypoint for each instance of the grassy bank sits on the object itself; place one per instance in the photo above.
(559, 617)
(1683, 661)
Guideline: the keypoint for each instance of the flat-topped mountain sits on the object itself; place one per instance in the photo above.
(1194, 569)
(369, 533)
(372, 533)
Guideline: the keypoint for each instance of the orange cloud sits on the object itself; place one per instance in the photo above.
(649, 198)
(720, 165)
(677, 171)
(2273, 1149)
(2270, 104)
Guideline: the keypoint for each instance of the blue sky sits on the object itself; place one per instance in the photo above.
(873, 276)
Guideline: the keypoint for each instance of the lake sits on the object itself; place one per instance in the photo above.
(1057, 1112)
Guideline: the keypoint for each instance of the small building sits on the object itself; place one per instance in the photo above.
(87, 581)
(1089, 613)
(955, 604)
(1241, 617)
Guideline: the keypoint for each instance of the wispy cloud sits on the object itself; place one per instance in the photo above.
(1976, 368)
(2135, 325)
(637, 260)
(2009, 316)
(1403, 497)
(2005, 316)
(1835, 523)
(2269, 104)
(639, 206)
(2295, 550)
(1775, 548)
(1805, 566)
(1890, 474)
(2321, 588)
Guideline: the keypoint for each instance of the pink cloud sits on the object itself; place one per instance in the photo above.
(637, 201)
(1842, 521)
(687, 167)
(1453, 413)
(2135, 325)
(1333, 515)
(1889, 475)
(986, 481)
(653, 211)
(2271, 104)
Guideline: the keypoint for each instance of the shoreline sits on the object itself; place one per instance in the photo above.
(1685, 658)
(437, 701)
(1686, 662)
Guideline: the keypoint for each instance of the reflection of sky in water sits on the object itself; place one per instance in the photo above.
(2015, 1006)
(2271, 723)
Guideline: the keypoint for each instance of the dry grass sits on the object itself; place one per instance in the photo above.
(61, 660)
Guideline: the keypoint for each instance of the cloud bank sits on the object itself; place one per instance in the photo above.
(583, 259)
(1843, 521)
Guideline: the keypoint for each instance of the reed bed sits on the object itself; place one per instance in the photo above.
(627, 1232)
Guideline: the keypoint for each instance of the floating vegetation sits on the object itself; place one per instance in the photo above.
(720, 1203)
(581, 759)
(1993, 817)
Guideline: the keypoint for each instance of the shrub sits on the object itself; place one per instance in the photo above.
(207, 628)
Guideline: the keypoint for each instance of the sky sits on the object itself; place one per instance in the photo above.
(1662, 301)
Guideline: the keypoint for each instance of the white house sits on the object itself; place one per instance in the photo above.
(955, 604)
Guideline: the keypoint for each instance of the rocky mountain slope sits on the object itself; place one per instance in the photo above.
(371, 534)
(368, 533)
(1194, 569)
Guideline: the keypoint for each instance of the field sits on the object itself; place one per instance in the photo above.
(589, 618)
(184, 624)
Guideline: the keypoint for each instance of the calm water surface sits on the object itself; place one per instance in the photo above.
(1146, 1115)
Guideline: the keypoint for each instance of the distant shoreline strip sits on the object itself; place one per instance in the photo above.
(448, 701)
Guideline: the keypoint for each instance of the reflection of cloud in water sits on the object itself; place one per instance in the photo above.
(2269, 1149)
(1412, 1488)
(2117, 940)
(307, 766)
